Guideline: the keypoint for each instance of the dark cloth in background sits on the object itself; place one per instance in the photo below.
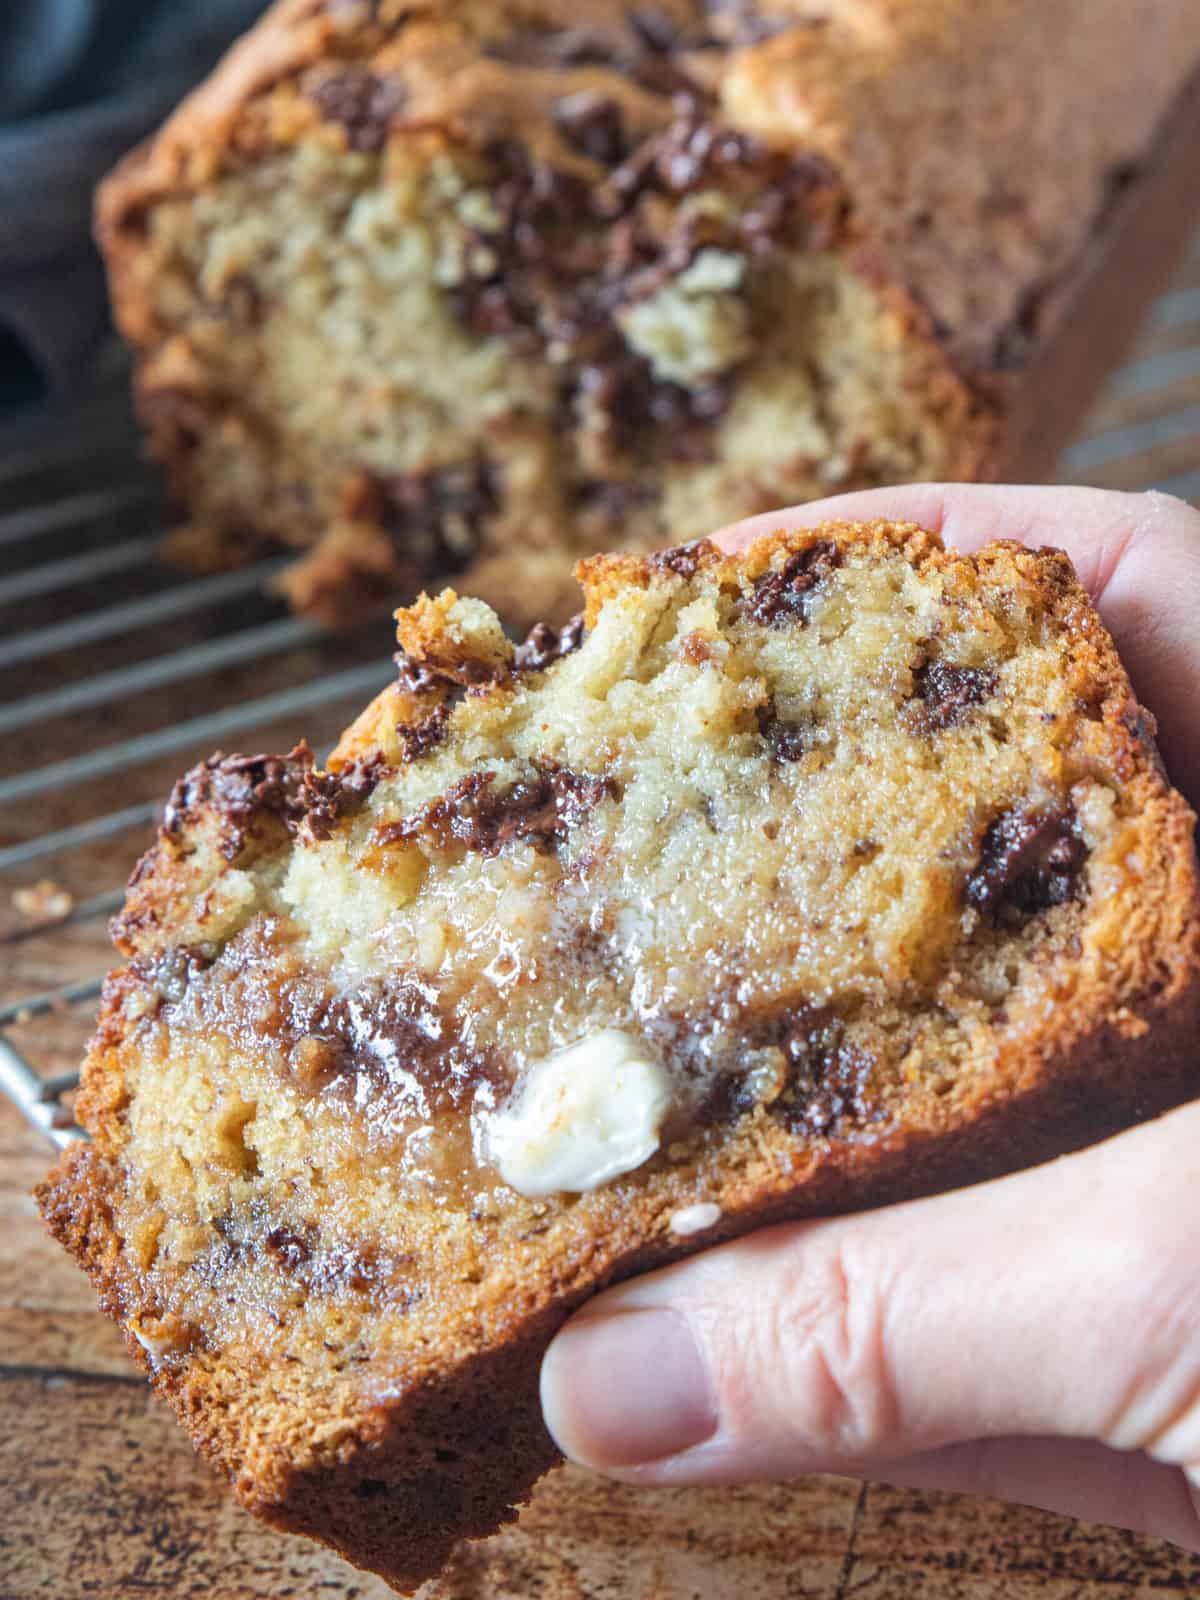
(80, 82)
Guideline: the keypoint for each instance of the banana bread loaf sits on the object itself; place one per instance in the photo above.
(418, 287)
(830, 874)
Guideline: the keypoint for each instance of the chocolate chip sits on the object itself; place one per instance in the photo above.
(362, 103)
(247, 792)
(1030, 859)
(568, 256)
(330, 796)
(592, 123)
(545, 645)
(625, 396)
(537, 251)
(948, 692)
(418, 677)
(684, 560)
(788, 741)
(786, 597)
(171, 971)
(436, 519)
(449, 499)
(841, 1093)
(290, 1249)
(690, 153)
(541, 810)
(243, 792)
(417, 739)
(728, 1098)
(828, 1077)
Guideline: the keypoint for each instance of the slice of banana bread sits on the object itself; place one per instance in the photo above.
(420, 285)
(799, 881)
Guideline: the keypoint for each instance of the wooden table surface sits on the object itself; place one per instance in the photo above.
(99, 1492)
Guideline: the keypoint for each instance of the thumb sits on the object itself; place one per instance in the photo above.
(1062, 1301)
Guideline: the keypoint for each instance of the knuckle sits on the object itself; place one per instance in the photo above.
(827, 1332)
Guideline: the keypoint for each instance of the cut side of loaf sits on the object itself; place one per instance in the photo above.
(836, 872)
(416, 288)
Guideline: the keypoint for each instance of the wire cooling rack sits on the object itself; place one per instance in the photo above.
(116, 673)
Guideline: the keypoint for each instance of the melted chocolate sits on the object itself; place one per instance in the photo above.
(541, 811)
(569, 255)
(318, 1267)
(330, 796)
(244, 792)
(171, 971)
(592, 123)
(786, 597)
(948, 692)
(546, 645)
(397, 1036)
(250, 794)
(417, 739)
(828, 1077)
(684, 560)
(788, 740)
(418, 677)
(362, 103)
(840, 1094)
(438, 518)
(629, 399)
(1030, 859)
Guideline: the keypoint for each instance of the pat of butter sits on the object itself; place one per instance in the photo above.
(581, 1117)
(695, 1219)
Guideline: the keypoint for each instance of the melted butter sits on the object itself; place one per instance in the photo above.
(581, 1117)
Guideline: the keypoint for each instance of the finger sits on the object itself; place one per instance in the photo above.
(1138, 555)
(1096, 522)
(1073, 1477)
(1062, 1301)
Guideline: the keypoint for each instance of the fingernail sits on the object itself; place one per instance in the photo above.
(625, 1388)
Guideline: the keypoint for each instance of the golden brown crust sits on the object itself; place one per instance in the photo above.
(391, 1462)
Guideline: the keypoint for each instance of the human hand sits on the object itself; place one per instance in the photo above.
(1035, 1338)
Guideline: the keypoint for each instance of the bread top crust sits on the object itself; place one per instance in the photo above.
(907, 104)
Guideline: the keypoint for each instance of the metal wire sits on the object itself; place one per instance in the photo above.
(40, 1099)
(85, 542)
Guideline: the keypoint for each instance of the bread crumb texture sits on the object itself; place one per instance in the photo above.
(849, 860)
